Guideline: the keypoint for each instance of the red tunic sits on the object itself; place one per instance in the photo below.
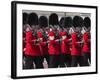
(52, 47)
(70, 45)
(65, 47)
(58, 46)
(31, 48)
(43, 47)
(76, 47)
(86, 46)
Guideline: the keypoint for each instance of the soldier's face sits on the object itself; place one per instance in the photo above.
(41, 39)
(37, 27)
(51, 37)
(78, 29)
(83, 30)
(63, 37)
(27, 29)
(71, 30)
(33, 27)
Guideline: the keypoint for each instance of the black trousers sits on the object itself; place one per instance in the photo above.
(77, 60)
(46, 56)
(87, 59)
(65, 60)
(29, 60)
(53, 61)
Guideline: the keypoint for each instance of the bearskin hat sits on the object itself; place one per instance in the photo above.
(77, 21)
(68, 22)
(87, 22)
(43, 21)
(33, 19)
(25, 18)
(53, 19)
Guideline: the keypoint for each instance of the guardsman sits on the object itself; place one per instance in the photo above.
(53, 55)
(43, 24)
(54, 26)
(76, 53)
(35, 57)
(65, 50)
(87, 41)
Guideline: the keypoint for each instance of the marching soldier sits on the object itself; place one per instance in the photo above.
(86, 38)
(76, 42)
(43, 24)
(65, 57)
(32, 51)
(65, 50)
(54, 44)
